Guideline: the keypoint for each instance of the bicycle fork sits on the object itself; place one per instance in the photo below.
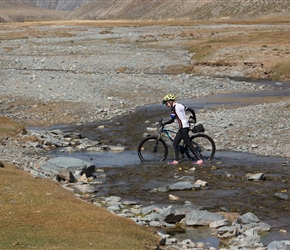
(156, 145)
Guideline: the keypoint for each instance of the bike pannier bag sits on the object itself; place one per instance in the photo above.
(198, 128)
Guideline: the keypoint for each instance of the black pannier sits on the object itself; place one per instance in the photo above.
(198, 128)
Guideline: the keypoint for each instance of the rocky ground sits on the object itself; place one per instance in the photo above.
(63, 74)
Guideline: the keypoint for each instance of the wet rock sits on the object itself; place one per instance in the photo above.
(179, 186)
(117, 148)
(219, 223)
(89, 171)
(173, 197)
(255, 177)
(54, 166)
(282, 196)
(248, 218)
(85, 188)
(181, 210)
(65, 175)
(227, 232)
(201, 183)
(201, 218)
(174, 218)
(279, 245)
(113, 199)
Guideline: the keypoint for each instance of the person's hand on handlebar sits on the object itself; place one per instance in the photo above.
(192, 119)
(161, 123)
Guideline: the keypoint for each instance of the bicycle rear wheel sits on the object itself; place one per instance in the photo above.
(205, 146)
(152, 149)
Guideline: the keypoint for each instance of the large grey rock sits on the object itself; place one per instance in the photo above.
(279, 245)
(200, 218)
(177, 213)
(182, 185)
(56, 165)
(248, 218)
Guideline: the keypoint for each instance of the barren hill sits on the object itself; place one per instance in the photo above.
(21, 10)
(181, 9)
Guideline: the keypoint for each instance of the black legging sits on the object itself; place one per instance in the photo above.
(183, 134)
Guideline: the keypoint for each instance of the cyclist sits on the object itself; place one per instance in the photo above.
(178, 113)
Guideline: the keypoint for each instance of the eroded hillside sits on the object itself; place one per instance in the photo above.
(27, 10)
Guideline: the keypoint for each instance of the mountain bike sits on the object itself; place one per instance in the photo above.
(154, 148)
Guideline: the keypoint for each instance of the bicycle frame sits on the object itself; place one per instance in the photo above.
(167, 133)
(162, 130)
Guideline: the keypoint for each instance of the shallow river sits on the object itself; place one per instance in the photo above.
(228, 190)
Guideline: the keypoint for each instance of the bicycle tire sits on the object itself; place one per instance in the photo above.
(205, 146)
(152, 149)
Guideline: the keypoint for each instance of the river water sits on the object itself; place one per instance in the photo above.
(227, 191)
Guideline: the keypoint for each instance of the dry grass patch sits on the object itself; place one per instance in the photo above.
(28, 33)
(9, 127)
(281, 71)
(39, 214)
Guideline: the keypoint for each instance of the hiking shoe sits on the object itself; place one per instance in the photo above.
(173, 163)
(199, 162)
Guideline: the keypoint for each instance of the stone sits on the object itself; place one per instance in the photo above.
(282, 196)
(227, 231)
(255, 177)
(53, 166)
(279, 245)
(65, 175)
(201, 183)
(173, 197)
(200, 218)
(248, 218)
(219, 223)
(89, 171)
(85, 188)
(182, 185)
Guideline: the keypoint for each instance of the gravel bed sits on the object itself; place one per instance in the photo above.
(98, 73)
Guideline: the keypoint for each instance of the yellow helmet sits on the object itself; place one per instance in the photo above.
(167, 98)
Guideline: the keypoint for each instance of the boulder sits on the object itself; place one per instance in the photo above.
(200, 218)
(182, 185)
(56, 165)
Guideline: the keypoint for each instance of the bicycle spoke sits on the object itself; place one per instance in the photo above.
(204, 145)
(152, 149)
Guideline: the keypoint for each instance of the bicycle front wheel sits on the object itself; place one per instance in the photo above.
(152, 149)
(205, 146)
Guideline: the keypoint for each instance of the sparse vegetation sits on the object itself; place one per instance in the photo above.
(281, 71)
(9, 127)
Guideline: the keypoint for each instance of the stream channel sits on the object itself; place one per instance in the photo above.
(131, 179)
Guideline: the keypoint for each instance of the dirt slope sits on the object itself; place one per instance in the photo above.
(142, 9)
(181, 9)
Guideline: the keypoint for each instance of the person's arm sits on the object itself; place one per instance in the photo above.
(193, 117)
(172, 116)
(169, 121)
